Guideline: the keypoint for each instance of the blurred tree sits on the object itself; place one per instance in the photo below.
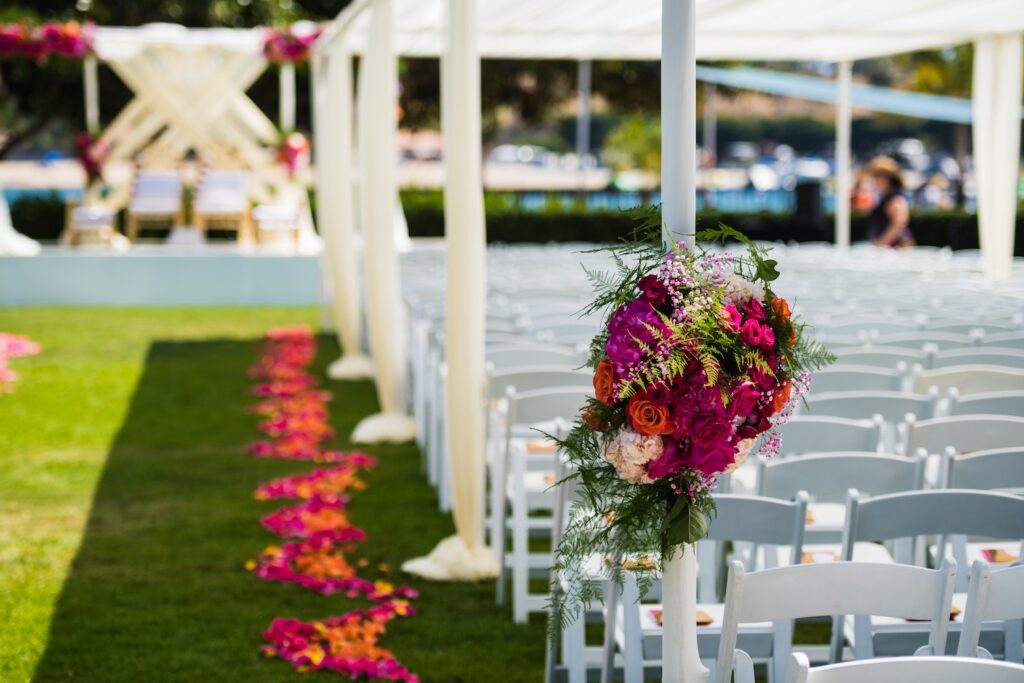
(943, 72)
(635, 144)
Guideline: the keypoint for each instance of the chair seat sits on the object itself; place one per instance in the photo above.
(276, 217)
(155, 206)
(754, 638)
(92, 217)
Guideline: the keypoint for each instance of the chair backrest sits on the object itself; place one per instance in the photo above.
(532, 378)
(932, 513)
(999, 468)
(969, 379)
(756, 519)
(992, 403)
(993, 595)
(544, 405)
(856, 378)
(833, 589)
(893, 406)
(989, 355)
(828, 477)
(965, 433)
(904, 669)
(819, 434)
(940, 340)
(1005, 340)
(503, 357)
(883, 356)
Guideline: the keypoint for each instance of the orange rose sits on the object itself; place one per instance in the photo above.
(647, 418)
(781, 307)
(604, 382)
(593, 421)
(781, 397)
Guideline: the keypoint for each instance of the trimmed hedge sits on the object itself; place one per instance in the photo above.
(42, 217)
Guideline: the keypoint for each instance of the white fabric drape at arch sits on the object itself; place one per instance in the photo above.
(377, 195)
(997, 101)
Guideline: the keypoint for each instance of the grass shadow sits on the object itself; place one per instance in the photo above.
(158, 590)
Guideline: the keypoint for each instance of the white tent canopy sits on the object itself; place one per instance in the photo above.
(777, 30)
(463, 31)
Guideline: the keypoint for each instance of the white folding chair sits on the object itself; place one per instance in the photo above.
(888, 357)
(773, 525)
(989, 355)
(823, 434)
(829, 589)
(827, 478)
(905, 669)
(994, 596)
(992, 403)
(502, 357)
(907, 517)
(964, 433)
(939, 340)
(968, 379)
(524, 482)
(1005, 339)
(998, 468)
(857, 378)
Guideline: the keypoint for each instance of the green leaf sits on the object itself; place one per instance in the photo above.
(685, 523)
(767, 271)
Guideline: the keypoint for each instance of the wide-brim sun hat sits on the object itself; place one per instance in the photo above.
(886, 167)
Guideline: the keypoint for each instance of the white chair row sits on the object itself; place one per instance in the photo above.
(885, 598)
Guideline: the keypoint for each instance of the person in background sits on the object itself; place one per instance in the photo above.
(889, 221)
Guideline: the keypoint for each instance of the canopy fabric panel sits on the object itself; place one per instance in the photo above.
(115, 44)
(781, 30)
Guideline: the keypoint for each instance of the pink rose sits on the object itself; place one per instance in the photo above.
(744, 399)
(764, 380)
(710, 431)
(731, 319)
(754, 310)
(750, 333)
(672, 459)
(767, 337)
(652, 289)
(712, 459)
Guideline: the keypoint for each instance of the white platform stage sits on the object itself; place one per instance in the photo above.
(161, 275)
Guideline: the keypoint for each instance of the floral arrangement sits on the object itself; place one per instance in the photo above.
(285, 45)
(294, 416)
(697, 359)
(69, 40)
(13, 346)
(293, 152)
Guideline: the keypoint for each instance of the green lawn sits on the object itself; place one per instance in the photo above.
(126, 513)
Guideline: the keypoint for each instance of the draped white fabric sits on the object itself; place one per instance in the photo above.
(377, 194)
(463, 556)
(997, 101)
(286, 96)
(333, 122)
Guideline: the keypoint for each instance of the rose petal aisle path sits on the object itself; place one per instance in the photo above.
(128, 514)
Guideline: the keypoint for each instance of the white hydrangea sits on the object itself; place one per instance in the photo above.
(737, 291)
(629, 452)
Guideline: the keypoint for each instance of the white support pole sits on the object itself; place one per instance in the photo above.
(680, 658)
(318, 102)
(463, 556)
(584, 81)
(91, 81)
(996, 131)
(383, 300)
(844, 72)
(678, 120)
(286, 102)
(340, 242)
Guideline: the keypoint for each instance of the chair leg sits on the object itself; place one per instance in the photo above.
(573, 649)
(132, 227)
(520, 545)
